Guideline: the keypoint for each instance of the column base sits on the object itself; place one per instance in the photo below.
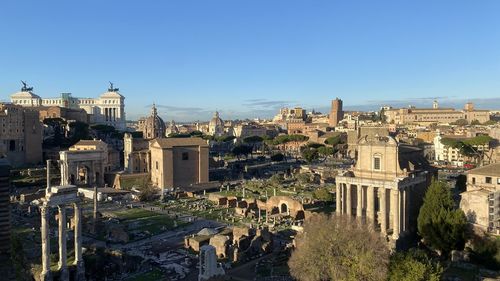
(80, 271)
(64, 274)
(46, 276)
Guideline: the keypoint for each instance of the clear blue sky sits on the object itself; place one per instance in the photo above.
(247, 58)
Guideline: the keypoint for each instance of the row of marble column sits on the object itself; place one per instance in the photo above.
(45, 233)
(395, 209)
(110, 114)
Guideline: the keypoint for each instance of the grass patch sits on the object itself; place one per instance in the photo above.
(153, 275)
(132, 214)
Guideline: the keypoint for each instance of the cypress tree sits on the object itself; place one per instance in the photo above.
(440, 223)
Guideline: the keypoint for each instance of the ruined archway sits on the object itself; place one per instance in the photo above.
(83, 175)
(82, 167)
(285, 205)
(283, 208)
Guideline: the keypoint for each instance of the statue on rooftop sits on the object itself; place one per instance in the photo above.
(111, 88)
(25, 87)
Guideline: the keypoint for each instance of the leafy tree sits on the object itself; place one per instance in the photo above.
(323, 194)
(486, 251)
(253, 139)
(281, 139)
(276, 179)
(208, 137)
(147, 192)
(225, 138)
(315, 145)
(179, 135)
(479, 140)
(490, 122)
(240, 150)
(54, 121)
(440, 223)
(451, 142)
(80, 131)
(196, 134)
(460, 122)
(278, 157)
(104, 129)
(333, 141)
(475, 122)
(310, 154)
(413, 265)
(19, 261)
(303, 178)
(326, 151)
(338, 248)
(468, 147)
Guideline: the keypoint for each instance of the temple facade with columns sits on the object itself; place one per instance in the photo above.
(61, 198)
(386, 185)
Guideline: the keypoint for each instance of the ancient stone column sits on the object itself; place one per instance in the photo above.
(383, 210)
(370, 204)
(395, 213)
(349, 205)
(45, 233)
(407, 208)
(338, 208)
(47, 189)
(63, 268)
(359, 206)
(80, 268)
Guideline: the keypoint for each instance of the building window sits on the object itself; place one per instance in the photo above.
(473, 180)
(488, 180)
(185, 156)
(498, 180)
(376, 163)
(156, 165)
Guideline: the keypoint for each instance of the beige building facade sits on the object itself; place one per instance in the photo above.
(108, 108)
(386, 185)
(481, 200)
(20, 135)
(178, 162)
(426, 116)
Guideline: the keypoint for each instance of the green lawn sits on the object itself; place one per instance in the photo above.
(155, 224)
(131, 214)
(141, 220)
(153, 275)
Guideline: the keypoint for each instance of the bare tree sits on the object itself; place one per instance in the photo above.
(339, 248)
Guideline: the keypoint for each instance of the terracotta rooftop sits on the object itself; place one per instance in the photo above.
(89, 142)
(171, 142)
(488, 170)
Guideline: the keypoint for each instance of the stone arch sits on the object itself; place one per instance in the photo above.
(284, 205)
(83, 174)
(283, 208)
(82, 167)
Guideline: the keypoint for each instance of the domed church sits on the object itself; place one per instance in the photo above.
(216, 126)
(153, 126)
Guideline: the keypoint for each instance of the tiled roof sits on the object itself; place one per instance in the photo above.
(171, 142)
(488, 170)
